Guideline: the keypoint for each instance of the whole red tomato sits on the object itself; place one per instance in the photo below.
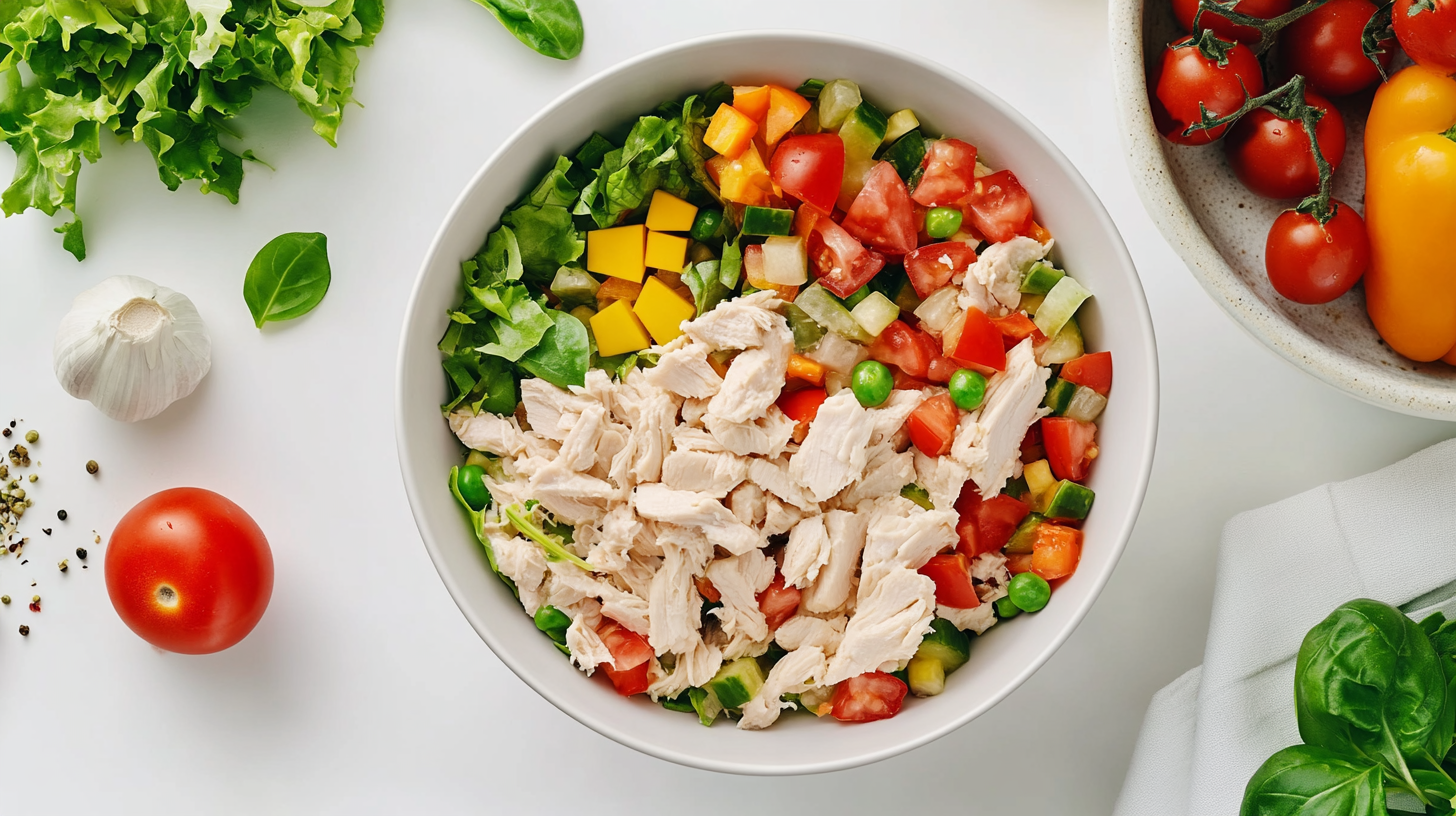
(1189, 77)
(189, 571)
(1309, 262)
(1271, 155)
(1263, 9)
(1324, 45)
(1428, 35)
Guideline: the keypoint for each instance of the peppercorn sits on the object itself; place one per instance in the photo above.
(32, 437)
(5, 599)
(81, 553)
(61, 514)
(6, 432)
(24, 630)
(92, 468)
(34, 477)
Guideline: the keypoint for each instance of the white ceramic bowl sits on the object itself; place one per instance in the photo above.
(1219, 228)
(1118, 320)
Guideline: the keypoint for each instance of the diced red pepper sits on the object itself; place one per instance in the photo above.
(1091, 370)
(779, 602)
(980, 342)
(932, 425)
(951, 573)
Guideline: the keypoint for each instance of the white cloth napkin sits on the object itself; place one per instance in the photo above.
(1389, 535)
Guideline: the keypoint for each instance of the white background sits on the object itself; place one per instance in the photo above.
(363, 690)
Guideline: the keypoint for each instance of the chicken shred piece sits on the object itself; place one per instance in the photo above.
(806, 552)
(805, 630)
(683, 369)
(488, 432)
(796, 672)
(988, 442)
(738, 580)
(835, 450)
(692, 509)
(887, 626)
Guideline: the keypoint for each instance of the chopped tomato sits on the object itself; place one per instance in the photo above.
(753, 270)
(868, 697)
(998, 207)
(950, 173)
(810, 168)
(882, 215)
(986, 525)
(932, 426)
(785, 109)
(705, 587)
(941, 368)
(1056, 551)
(730, 131)
(905, 382)
(1069, 446)
(1091, 370)
(1017, 563)
(932, 266)
(951, 573)
(802, 407)
(779, 602)
(631, 658)
(751, 101)
(1031, 447)
(841, 263)
(899, 345)
(1016, 327)
(802, 368)
(980, 342)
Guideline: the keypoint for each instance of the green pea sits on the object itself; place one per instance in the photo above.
(707, 225)
(471, 484)
(553, 622)
(871, 383)
(942, 222)
(1029, 591)
(967, 389)
(1006, 608)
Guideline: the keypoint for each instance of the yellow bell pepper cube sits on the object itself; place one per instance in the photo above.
(662, 311)
(618, 331)
(618, 252)
(665, 251)
(668, 213)
(729, 131)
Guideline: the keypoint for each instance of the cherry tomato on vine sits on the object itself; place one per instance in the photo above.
(1324, 45)
(1429, 35)
(189, 571)
(1309, 262)
(1189, 77)
(1271, 155)
(1264, 9)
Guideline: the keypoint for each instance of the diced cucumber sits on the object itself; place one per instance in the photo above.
(917, 494)
(1059, 396)
(786, 260)
(811, 88)
(1016, 488)
(836, 99)
(1070, 501)
(1022, 540)
(827, 311)
(906, 154)
(874, 313)
(856, 296)
(856, 173)
(683, 702)
(1006, 608)
(737, 682)
(837, 354)
(1061, 303)
(1086, 405)
(1064, 348)
(806, 331)
(767, 221)
(927, 676)
(900, 123)
(1041, 278)
(575, 287)
(705, 704)
(1030, 303)
(947, 644)
(863, 131)
(1039, 478)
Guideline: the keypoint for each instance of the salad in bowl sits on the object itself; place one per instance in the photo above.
(774, 400)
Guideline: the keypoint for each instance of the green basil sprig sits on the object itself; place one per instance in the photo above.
(550, 27)
(289, 277)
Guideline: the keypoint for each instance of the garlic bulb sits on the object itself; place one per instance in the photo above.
(131, 347)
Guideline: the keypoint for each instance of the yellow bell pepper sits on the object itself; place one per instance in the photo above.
(662, 311)
(1410, 211)
(618, 331)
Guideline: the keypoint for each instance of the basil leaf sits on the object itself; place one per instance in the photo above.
(562, 355)
(550, 27)
(1368, 683)
(288, 277)
(1310, 781)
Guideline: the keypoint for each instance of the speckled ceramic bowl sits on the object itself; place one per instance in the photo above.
(1220, 228)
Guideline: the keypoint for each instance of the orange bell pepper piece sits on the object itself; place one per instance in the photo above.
(1056, 551)
(615, 289)
(785, 109)
(751, 100)
(802, 368)
(744, 180)
(730, 131)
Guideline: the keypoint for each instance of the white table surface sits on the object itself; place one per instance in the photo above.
(363, 690)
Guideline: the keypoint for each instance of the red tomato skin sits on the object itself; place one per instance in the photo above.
(949, 172)
(951, 573)
(1092, 370)
(980, 343)
(1056, 552)
(635, 680)
(211, 554)
(1185, 10)
(932, 425)
(1271, 156)
(1186, 78)
(1312, 263)
(1067, 441)
(779, 602)
(986, 524)
(841, 263)
(629, 649)
(926, 270)
(868, 697)
(810, 168)
(802, 406)
(941, 369)
(998, 207)
(1017, 563)
(1324, 45)
(1428, 36)
(899, 346)
(882, 216)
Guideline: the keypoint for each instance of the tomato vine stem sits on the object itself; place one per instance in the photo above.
(1266, 28)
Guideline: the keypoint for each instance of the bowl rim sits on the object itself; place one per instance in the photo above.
(1138, 493)
(1165, 204)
